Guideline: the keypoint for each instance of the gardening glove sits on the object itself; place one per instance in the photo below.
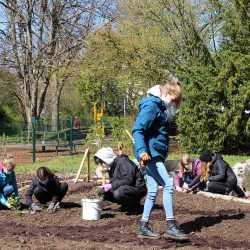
(185, 185)
(35, 207)
(107, 187)
(8, 205)
(53, 207)
(144, 159)
(206, 188)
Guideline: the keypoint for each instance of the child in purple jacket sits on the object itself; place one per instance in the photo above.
(187, 178)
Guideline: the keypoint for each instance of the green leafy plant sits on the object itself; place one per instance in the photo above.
(14, 201)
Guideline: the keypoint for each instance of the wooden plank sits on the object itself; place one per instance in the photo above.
(224, 197)
(81, 165)
(88, 168)
(130, 136)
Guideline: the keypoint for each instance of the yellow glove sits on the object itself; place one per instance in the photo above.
(8, 205)
(144, 159)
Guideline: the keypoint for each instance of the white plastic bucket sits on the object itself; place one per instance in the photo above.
(91, 209)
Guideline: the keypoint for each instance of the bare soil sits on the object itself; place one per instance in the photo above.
(211, 223)
(23, 153)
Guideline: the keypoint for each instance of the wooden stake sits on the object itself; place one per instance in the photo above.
(88, 168)
(130, 136)
(81, 165)
(120, 148)
(103, 176)
(224, 197)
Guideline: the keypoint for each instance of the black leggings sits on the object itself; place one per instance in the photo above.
(127, 196)
(43, 196)
(224, 188)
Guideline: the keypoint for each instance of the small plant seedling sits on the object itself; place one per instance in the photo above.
(14, 201)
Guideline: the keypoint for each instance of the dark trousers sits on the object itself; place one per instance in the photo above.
(225, 188)
(43, 196)
(127, 196)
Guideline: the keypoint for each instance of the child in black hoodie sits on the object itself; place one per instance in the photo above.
(127, 186)
(222, 179)
(46, 188)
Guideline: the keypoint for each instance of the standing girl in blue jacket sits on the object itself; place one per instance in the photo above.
(8, 185)
(150, 132)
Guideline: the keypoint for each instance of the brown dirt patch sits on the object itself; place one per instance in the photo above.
(212, 224)
(23, 153)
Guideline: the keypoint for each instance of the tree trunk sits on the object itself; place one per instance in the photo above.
(28, 113)
(54, 102)
(54, 112)
(56, 90)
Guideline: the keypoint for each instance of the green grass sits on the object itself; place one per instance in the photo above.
(61, 164)
(70, 164)
(231, 159)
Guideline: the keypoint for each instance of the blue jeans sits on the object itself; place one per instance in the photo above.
(8, 190)
(156, 174)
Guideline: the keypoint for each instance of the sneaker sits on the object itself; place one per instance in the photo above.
(174, 232)
(36, 207)
(53, 206)
(57, 206)
(145, 231)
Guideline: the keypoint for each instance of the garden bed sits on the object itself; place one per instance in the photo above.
(212, 223)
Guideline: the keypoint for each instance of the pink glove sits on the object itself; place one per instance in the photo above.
(106, 187)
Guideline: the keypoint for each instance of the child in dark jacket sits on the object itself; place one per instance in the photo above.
(8, 185)
(126, 186)
(46, 188)
(222, 179)
(189, 171)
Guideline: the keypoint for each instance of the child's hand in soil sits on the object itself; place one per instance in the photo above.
(8, 205)
(179, 189)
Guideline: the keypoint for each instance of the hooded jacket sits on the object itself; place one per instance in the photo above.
(221, 171)
(123, 171)
(4, 180)
(107, 155)
(151, 128)
(51, 185)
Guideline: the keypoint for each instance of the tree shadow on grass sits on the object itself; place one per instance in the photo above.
(208, 221)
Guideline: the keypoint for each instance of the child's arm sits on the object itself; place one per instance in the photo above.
(3, 200)
(30, 192)
(15, 185)
(194, 182)
(144, 120)
(177, 179)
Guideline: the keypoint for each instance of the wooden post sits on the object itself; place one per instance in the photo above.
(224, 197)
(103, 176)
(120, 148)
(130, 136)
(81, 165)
(88, 169)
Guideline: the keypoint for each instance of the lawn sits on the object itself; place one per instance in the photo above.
(70, 164)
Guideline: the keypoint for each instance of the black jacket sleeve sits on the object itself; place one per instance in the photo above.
(30, 191)
(124, 173)
(194, 181)
(219, 171)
